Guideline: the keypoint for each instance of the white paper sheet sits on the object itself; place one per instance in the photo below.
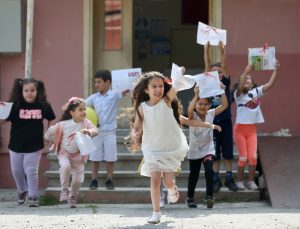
(207, 33)
(5, 109)
(84, 143)
(179, 81)
(262, 58)
(124, 79)
(209, 84)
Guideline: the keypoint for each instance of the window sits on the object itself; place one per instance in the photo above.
(113, 25)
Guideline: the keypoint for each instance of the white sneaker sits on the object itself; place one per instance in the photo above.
(252, 186)
(162, 200)
(173, 195)
(155, 218)
(240, 185)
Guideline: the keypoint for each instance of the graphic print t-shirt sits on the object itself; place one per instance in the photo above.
(26, 134)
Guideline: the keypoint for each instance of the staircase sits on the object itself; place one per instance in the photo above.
(131, 187)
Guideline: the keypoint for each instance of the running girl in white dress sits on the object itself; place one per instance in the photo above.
(163, 143)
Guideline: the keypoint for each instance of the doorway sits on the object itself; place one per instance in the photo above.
(165, 31)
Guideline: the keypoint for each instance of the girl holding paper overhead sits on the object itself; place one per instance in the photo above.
(163, 143)
(202, 148)
(30, 108)
(224, 139)
(247, 98)
(71, 161)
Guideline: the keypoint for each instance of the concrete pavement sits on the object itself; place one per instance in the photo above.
(223, 215)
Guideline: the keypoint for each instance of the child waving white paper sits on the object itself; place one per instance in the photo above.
(179, 81)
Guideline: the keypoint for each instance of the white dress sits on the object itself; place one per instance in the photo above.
(164, 145)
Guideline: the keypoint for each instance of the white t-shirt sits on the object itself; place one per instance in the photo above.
(248, 107)
(201, 138)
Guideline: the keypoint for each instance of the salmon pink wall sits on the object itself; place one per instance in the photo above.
(252, 23)
(57, 57)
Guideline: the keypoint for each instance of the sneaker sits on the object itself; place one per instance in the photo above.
(190, 202)
(22, 198)
(252, 186)
(33, 202)
(94, 184)
(173, 195)
(240, 185)
(209, 202)
(162, 200)
(64, 195)
(109, 184)
(217, 185)
(72, 202)
(155, 218)
(230, 184)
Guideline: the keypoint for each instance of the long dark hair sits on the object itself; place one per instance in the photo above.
(139, 94)
(235, 87)
(71, 106)
(16, 95)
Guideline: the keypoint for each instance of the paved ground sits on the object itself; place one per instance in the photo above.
(224, 215)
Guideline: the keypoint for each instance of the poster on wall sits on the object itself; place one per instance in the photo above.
(142, 28)
(124, 79)
(160, 37)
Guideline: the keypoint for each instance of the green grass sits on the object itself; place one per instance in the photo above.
(48, 201)
(93, 207)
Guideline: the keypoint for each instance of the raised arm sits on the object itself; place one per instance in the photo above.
(207, 60)
(273, 78)
(224, 67)
(198, 123)
(223, 106)
(172, 92)
(192, 104)
(242, 79)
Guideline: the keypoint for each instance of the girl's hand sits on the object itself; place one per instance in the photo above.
(196, 90)
(216, 127)
(221, 47)
(85, 131)
(222, 86)
(183, 119)
(207, 46)
(277, 65)
(136, 135)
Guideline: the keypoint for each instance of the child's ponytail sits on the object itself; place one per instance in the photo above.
(16, 92)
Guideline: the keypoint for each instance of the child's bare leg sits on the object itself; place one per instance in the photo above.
(168, 179)
(109, 169)
(155, 190)
(252, 169)
(95, 169)
(169, 182)
(240, 174)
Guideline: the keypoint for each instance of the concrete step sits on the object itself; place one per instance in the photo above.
(142, 195)
(129, 161)
(130, 179)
